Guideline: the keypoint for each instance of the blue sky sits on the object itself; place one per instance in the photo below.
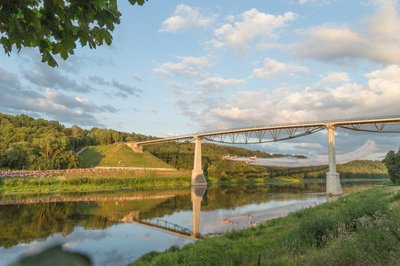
(177, 67)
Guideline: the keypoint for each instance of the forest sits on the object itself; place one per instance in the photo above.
(28, 143)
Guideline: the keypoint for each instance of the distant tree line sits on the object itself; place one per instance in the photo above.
(181, 156)
(27, 143)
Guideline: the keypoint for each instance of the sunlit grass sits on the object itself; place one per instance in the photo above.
(95, 181)
(118, 155)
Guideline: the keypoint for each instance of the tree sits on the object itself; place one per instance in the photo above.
(77, 135)
(55, 26)
(392, 162)
(16, 156)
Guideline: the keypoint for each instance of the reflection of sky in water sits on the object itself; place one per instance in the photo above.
(222, 220)
(115, 245)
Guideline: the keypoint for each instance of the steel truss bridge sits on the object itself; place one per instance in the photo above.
(280, 132)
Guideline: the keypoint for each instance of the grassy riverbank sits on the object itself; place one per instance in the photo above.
(95, 181)
(289, 180)
(113, 180)
(358, 229)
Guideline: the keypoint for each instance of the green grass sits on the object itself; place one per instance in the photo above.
(359, 229)
(94, 181)
(118, 155)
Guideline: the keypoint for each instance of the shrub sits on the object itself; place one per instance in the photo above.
(392, 163)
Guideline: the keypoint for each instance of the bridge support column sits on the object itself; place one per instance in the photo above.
(197, 194)
(198, 178)
(333, 186)
(135, 147)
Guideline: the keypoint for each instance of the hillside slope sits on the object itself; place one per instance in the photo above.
(118, 155)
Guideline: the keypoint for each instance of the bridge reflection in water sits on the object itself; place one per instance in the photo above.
(197, 193)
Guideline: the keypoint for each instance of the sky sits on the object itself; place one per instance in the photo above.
(178, 67)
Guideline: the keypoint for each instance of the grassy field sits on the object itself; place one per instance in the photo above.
(358, 229)
(118, 155)
(95, 181)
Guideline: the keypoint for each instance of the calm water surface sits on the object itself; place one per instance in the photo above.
(116, 228)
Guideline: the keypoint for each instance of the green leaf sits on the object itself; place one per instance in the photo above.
(49, 59)
(139, 2)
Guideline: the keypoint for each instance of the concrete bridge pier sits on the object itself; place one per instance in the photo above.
(333, 186)
(198, 178)
(135, 147)
(197, 194)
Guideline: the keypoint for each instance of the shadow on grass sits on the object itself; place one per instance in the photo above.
(90, 158)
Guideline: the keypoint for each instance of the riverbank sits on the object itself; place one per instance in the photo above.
(358, 229)
(290, 180)
(94, 181)
(103, 179)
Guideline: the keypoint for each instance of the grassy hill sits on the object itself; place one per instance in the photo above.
(118, 155)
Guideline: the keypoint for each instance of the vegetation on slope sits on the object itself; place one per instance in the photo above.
(359, 229)
(119, 155)
(27, 143)
(181, 155)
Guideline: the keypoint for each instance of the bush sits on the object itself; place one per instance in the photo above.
(392, 163)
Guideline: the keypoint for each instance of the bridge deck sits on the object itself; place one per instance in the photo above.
(314, 126)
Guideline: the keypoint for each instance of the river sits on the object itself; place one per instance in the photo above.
(116, 228)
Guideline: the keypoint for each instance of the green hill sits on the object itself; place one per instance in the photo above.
(118, 155)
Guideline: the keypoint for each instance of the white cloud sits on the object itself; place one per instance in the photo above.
(378, 39)
(236, 113)
(218, 84)
(187, 66)
(185, 17)
(241, 30)
(195, 61)
(318, 2)
(272, 67)
(248, 108)
(81, 100)
(333, 77)
(386, 81)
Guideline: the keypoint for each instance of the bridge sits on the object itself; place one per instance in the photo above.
(279, 132)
